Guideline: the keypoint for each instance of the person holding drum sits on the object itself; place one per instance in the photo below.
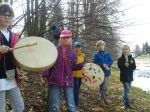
(60, 76)
(103, 58)
(8, 75)
(126, 64)
(77, 74)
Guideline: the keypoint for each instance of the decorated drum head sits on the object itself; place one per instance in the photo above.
(37, 57)
(92, 75)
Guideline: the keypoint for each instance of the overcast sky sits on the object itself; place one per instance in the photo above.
(137, 13)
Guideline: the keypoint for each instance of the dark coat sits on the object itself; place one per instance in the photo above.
(14, 38)
(126, 73)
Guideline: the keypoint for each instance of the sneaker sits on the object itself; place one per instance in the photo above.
(123, 107)
(127, 107)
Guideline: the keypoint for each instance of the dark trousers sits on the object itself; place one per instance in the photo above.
(77, 84)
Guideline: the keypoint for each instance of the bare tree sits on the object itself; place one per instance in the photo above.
(89, 20)
(92, 20)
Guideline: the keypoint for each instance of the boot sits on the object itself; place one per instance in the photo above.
(101, 102)
(106, 101)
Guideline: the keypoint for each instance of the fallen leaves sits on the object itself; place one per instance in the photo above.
(35, 94)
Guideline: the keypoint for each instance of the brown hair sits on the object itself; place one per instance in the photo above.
(6, 10)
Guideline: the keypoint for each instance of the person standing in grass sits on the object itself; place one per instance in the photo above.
(77, 74)
(103, 58)
(60, 75)
(126, 64)
(8, 73)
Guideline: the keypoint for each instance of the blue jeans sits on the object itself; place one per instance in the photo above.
(77, 84)
(127, 87)
(55, 98)
(15, 99)
(103, 88)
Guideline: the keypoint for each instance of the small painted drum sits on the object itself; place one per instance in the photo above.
(92, 75)
(35, 54)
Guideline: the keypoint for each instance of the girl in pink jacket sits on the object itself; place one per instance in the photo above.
(60, 76)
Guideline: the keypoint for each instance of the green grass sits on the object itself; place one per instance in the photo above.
(139, 99)
(143, 58)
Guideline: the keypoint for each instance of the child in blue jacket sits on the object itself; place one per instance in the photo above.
(104, 60)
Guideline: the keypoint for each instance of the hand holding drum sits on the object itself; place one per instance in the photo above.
(92, 75)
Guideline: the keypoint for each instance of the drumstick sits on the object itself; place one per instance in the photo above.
(27, 45)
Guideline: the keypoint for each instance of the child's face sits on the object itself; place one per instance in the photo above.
(77, 49)
(101, 47)
(5, 21)
(65, 41)
(126, 50)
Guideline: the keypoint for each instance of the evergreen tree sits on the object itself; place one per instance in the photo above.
(146, 48)
(137, 50)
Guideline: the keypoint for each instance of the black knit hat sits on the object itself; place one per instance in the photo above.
(6, 10)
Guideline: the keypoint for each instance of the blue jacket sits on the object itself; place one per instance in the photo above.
(103, 57)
